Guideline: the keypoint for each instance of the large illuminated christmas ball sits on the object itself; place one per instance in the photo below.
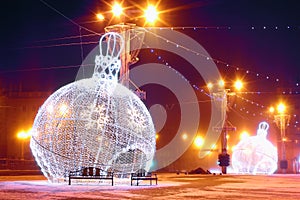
(255, 154)
(94, 122)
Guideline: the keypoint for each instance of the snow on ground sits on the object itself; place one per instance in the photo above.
(170, 186)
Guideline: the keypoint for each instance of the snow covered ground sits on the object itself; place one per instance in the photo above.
(170, 186)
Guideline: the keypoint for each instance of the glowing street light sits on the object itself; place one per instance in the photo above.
(281, 120)
(23, 136)
(272, 109)
(244, 135)
(226, 96)
(221, 83)
(198, 141)
(117, 9)
(150, 14)
(210, 85)
(100, 17)
(238, 85)
(281, 108)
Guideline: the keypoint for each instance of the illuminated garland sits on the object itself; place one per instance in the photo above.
(195, 28)
(217, 61)
(203, 89)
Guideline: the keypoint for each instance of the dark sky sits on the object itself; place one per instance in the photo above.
(33, 49)
(269, 51)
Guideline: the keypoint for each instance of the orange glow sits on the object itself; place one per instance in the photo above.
(233, 148)
(117, 9)
(238, 85)
(151, 14)
(244, 135)
(209, 85)
(272, 109)
(23, 135)
(221, 83)
(184, 136)
(100, 17)
(281, 108)
(198, 141)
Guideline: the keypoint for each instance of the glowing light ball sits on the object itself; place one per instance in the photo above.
(94, 122)
(255, 154)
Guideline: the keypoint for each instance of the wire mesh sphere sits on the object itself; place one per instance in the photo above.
(88, 123)
(255, 155)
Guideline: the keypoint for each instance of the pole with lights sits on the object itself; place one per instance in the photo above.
(23, 136)
(225, 96)
(281, 118)
(132, 35)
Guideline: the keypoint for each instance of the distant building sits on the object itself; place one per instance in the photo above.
(18, 109)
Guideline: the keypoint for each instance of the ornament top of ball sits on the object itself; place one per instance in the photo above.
(94, 122)
(263, 129)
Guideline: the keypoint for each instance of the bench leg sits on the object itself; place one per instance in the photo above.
(69, 180)
(150, 181)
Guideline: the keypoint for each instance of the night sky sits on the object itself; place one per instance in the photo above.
(25, 25)
(258, 36)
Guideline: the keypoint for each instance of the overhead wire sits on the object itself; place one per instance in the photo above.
(66, 38)
(45, 68)
(69, 19)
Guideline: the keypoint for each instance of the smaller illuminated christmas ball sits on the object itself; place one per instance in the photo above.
(255, 154)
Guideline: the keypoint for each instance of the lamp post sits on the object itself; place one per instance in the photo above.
(23, 136)
(281, 119)
(225, 96)
(130, 32)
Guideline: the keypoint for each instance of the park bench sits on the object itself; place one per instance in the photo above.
(142, 175)
(91, 173)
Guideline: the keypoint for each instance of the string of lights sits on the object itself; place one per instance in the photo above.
(241, 109)
(161, 28)
(219, 62)
(269, 27)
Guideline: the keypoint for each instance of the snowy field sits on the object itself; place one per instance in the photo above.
(170, 186)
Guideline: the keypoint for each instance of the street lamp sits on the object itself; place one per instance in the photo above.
(151, 14)
(100, 16)
(281, 119)
(198, 141)
(117, 9)
(132, 35)
(23, 136)
(225, 96)
(244, 135)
